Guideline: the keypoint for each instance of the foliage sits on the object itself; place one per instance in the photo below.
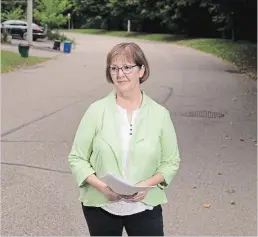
(6, 36)
(50, 12)
(204, 18)
(57, 36)
(10, 5)
(235, 19)
(13, 14)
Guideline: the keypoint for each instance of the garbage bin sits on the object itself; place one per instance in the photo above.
(57, 44)
(67, 46)
(24, 50)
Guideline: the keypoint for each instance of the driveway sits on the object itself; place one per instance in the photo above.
(214, 113)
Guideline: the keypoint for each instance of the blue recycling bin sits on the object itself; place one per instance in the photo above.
(67, 46)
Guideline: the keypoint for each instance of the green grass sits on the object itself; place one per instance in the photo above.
(11, 61)
(241, 54)
(146, 36)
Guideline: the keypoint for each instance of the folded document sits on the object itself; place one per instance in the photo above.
(122, 187)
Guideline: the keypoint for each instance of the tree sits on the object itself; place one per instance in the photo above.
(16, 13)
(10, 5)
(235, 19)
(92, 13)
(50, 12)
(226, 14)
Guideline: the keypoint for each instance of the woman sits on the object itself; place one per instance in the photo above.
(131, 136)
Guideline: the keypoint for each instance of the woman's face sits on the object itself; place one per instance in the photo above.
(125, 74)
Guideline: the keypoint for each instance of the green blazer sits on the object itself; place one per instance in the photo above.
(96, 149)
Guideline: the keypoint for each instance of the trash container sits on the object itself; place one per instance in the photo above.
(67, 46)
(57, 44)
(24, 50)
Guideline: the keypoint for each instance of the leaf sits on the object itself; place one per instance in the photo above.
(230, 190)
(227, 137)
(223, 146)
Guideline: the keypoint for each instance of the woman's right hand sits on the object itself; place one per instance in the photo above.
(111, 195)
(102, 187)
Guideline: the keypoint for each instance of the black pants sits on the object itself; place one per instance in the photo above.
(102, 223)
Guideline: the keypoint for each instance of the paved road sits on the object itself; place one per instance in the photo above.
(41, 109)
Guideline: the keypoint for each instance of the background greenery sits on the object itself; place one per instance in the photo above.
(225, 28)
(12, 60)
(228, 19)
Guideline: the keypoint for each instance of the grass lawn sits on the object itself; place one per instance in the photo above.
(241, 54)
(11, 61)
(146, 36)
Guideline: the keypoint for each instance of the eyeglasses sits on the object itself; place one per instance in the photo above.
(125, 69)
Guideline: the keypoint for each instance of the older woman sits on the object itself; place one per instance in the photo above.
(131, 136)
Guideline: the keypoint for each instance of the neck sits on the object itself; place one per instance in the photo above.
(130, 100)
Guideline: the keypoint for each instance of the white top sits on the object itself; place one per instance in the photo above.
(124, 207)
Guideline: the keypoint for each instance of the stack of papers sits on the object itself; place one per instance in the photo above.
(121, 186)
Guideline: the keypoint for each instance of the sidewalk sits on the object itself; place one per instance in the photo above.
(39, 48)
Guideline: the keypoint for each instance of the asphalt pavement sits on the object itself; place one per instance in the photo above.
(213, 108)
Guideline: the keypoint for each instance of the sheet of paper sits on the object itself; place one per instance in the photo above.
(122, 187)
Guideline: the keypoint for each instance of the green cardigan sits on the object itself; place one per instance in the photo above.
(97, 149)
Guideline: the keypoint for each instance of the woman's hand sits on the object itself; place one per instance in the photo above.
(111, 196)
(140, 195)
(102, 187)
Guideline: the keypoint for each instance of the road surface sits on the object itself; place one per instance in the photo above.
(214, 113)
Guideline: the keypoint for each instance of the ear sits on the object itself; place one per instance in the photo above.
(142, 70)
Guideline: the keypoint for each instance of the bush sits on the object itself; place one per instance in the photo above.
(57, 36)
(93, 23)
(5, 36)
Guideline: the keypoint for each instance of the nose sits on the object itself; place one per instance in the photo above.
(120, 72)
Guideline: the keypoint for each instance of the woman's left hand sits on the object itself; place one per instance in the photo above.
(140, 195)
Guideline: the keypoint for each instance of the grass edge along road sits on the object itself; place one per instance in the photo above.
(11, 61)
(241, 54)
